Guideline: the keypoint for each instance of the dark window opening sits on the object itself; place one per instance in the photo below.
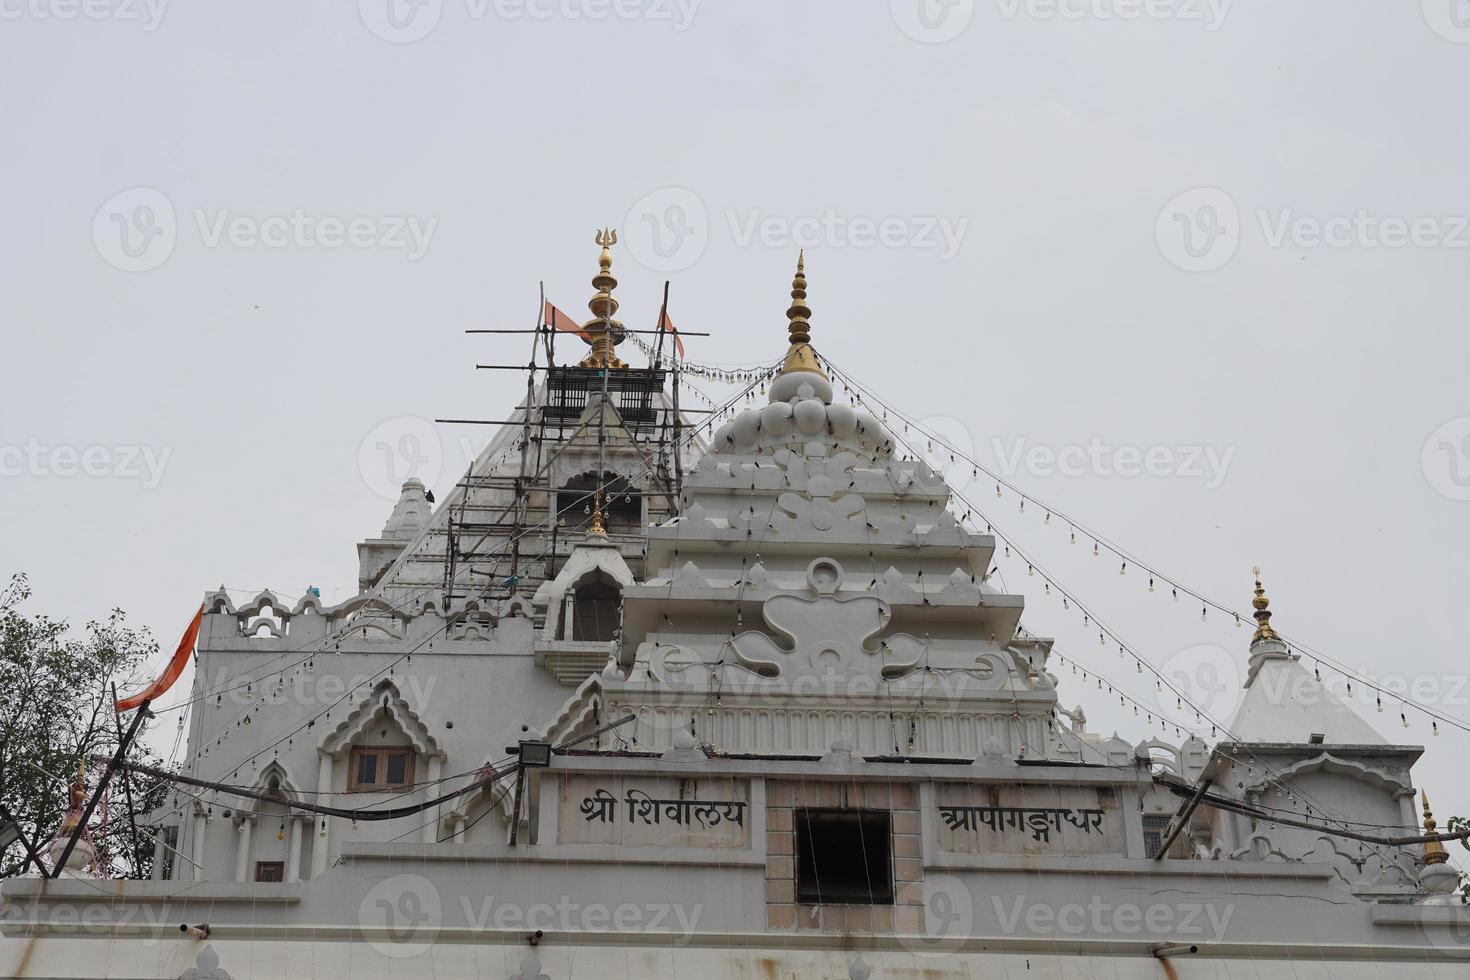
(380, 769)
(270, 870)
(622, 503)
(843, 857)
(1155, 826)
(595, 611)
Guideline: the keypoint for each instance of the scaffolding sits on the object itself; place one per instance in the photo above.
(518, 512)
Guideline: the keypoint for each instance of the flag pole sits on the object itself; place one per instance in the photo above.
(128, 792)
(117, 757)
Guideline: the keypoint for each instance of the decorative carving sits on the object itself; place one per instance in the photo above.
(818, 495)
(829, 634)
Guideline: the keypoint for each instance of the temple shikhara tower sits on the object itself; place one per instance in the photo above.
(657, 692)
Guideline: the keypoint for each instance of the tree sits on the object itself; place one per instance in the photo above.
(1457, 824)
(55, 712)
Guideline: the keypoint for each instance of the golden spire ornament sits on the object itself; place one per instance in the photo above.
(1434, 852)
(602, 331)
(1263, 612)
(597, 530)
(800, 356)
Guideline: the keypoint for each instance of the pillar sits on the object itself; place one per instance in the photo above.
(201, 824)
(242, 848)
(431, 829)
(323, 787)
(295, 827)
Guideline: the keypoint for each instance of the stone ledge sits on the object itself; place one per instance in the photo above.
(72, 890)
(1059, 864)
(1422, 915)
(604, 854)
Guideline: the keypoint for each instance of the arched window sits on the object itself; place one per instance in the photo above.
(382, 758)
(595, 611)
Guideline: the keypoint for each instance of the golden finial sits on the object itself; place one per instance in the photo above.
(1434, 852)
(1262, 613)
(597, 530)
(800, 356)
(603, 332)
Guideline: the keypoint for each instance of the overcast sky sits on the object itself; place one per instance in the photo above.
(242, 243)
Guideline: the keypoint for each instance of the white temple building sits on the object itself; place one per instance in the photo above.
(648, 700)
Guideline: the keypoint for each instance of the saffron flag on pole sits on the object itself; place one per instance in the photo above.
(669, 326)
(560, 321)
(170, 673)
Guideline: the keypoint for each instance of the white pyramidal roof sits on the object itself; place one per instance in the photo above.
(1285, 703)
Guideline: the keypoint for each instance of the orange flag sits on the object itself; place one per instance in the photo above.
(172, 671)
(559, 320)
(669, 326)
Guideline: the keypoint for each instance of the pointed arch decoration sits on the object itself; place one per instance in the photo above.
(1328, 762)
(385, 696)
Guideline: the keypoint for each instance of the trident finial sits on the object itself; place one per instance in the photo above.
(602, 331)
(1262, 613)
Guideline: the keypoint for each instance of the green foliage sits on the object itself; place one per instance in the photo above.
(1454, 825)
(55, 711)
